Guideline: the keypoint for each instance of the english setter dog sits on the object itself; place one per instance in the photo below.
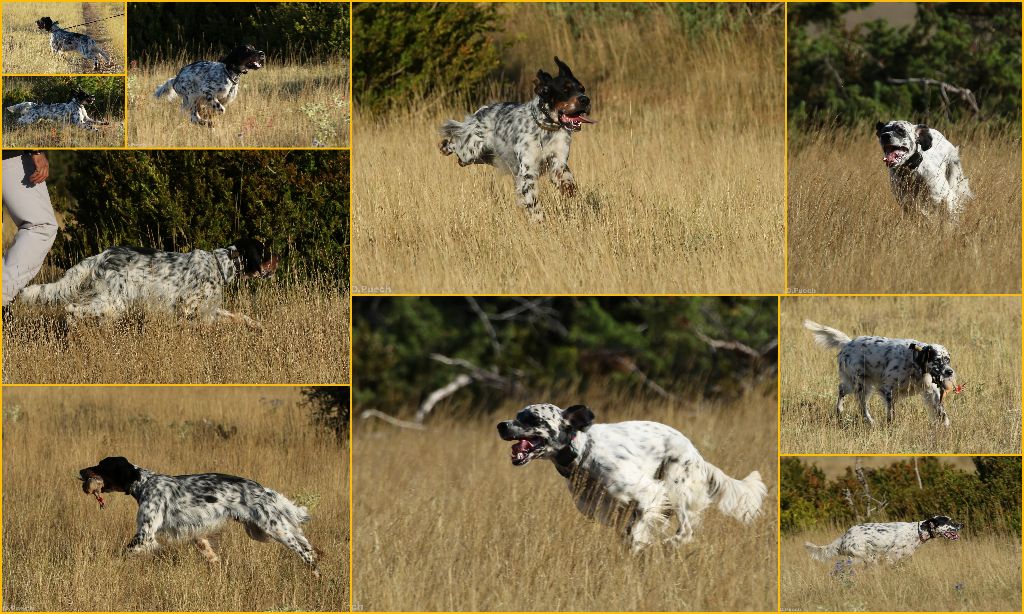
(207, 87)
(894, 366)
(892, 540)
(525, 139)
(191, 284)
(924, 169)
(193, 506)
(72, 112)
(63, 40)
(631, 475)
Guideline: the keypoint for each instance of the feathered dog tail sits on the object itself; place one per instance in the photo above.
(20, 108)
(740, 499)
(823, 553)
(826, 336)
(167, 89)
(60, 291)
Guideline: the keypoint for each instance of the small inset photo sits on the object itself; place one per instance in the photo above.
(891, 375)
(238, 75)
(904, 148)
(58, 38)
(176, 499)
(63, 112)
(890, 534)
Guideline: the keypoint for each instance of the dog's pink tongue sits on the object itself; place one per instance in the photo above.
(522, 446)
(584, 119)
(893, 157)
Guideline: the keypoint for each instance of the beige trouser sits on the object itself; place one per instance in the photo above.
(30, 209)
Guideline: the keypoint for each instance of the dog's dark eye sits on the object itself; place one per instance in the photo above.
(528, 419)
(945, 360)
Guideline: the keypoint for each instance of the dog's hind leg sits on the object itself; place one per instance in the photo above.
(890, 405)
(843, 391)
(863, 392)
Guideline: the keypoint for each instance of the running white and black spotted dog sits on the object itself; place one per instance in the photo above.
(631, 475)
(892, 540)
(894, 366)
(194, 506)
(190, 284)
(525, 139)
(207, 87)
(72, 112)
(924, 169)
(63, 40)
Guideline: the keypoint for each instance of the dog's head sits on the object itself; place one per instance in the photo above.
(900, 140)
(112, 474)
(82, 97)
(563, 98)
(253, 258)
(933, 360)
(941, 526)
(244, 58)
(543, 430)
(45, 23)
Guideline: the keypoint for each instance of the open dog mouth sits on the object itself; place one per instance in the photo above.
(951, 534)
(524, 449)
(574, 121)
(894, 154)
(255, 63)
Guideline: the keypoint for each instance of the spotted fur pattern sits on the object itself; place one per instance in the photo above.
(893, 366)
(525, 139)
(71, 112)
(631, 475)
(206, 87)
(924, 169)
(193, 506)
(892, 541)
(63, 40)
(190, 284)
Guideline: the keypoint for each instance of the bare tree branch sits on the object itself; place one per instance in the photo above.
(405, 424)
(461, 381)
(486, 321)
(945, 89)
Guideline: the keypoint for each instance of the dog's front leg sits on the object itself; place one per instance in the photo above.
(890, 406)
(562, 178)
(526, 187)
(147, 524)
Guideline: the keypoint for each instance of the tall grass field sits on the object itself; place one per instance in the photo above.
(284, 104)
(983, 336)
(26, 48)
(681, 179)
(847, 234)
(979, 573)
(443, 521)
(61, 552)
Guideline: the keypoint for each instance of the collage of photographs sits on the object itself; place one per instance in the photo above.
(321, 275)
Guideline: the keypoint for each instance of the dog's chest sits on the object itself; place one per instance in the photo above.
(520, 141)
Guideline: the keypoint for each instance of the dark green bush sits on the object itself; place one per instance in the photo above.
(302, 31)
(839, 74)
(295, 201)
(405, 50)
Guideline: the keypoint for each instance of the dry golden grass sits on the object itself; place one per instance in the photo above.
(443, 521)
(983, 337)
(61, 552)
(987, 567)
(26, 48)
(681, 180)
(305, 340)
(847, 233)
(281, 105)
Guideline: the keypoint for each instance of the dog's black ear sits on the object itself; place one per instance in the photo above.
(878, 128)
(924, 137)
(563, 69)
(923, 354)
(541, 84)
(578, 416)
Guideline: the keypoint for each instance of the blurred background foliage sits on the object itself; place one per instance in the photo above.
(987, 499)
(456, 50)
(294, 201)
(516, 347)
(296, 31)
(843, 55)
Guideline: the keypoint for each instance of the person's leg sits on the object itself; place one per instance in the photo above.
(30, 209)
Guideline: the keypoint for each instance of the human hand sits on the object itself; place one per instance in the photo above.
(42, 169)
